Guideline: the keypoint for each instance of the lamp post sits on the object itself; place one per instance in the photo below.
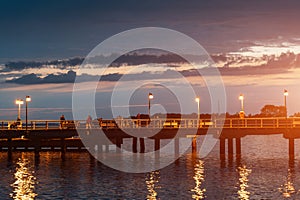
(197, 99)
(19, 102)
(150, 96)
(241, 98)
(242, 112)
(285, 94)
(28, 99)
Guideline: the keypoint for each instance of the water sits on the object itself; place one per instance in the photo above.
(264, 172)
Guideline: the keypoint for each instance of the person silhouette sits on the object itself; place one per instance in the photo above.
(62, 121)
(89, 122)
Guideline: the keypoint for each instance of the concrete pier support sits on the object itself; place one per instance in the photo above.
(63, 147)
(134, 145)
(118, 144)
(9, 152)
(291, 148)
(142, 145)
(194, 145)
(238, 147)
(37, 148)
(230, 147)
(156, 144)
(222, 148)
(176, 147)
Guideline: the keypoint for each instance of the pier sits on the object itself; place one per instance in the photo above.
(53, 135)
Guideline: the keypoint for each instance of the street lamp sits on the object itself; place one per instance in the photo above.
(19, 102)
(28, 99)
(150, 96)
(285, 93)
(197, 99)
(241, 98)
(242, 112)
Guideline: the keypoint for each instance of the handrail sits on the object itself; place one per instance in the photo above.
(270, 122)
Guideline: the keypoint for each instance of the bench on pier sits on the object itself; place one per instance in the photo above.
(14, 125)
(68, 124)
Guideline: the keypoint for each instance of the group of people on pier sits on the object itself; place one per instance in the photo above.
(88, 125)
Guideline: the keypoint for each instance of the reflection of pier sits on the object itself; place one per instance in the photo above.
(50, 134)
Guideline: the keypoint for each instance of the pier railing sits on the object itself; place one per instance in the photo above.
(153, 123)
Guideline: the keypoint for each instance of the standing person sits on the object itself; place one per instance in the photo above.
(62, 121)
(89, 122)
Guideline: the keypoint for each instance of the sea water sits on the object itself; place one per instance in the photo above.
(263, 172)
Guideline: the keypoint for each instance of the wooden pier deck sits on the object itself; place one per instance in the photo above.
(53, 135)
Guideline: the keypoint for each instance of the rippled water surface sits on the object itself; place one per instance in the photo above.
(263, 172)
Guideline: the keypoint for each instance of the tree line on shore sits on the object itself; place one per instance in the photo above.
(266, 111)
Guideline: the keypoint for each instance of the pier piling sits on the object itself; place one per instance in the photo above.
(230, 147)
(291, 148)
(142, 145)
(238, 147)
(134, 145)
(63, 147)
(157, 144)
(118, 144)
(37, 148)
(176, 147)
(222, 148)
(9, 152)
(194, 145)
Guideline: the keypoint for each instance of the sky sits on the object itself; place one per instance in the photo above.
(254, 44)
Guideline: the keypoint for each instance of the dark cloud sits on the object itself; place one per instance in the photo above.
(34, 79)
(138, 59)
(127, 59)
(62, 64)
(236, 65)
(71, 76)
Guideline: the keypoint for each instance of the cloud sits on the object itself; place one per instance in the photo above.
(244, 65)
(21, 65)
(34, 79)
(134, 66)
(136, 58)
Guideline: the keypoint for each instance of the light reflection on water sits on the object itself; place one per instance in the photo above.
(152, 181)
(288, 189)
(263, 172)
(199, 178)
(243, 182)
(24, 185)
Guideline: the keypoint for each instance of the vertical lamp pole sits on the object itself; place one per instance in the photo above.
(28, 99)
(150, 96)
(285, 93)
(242, 112)
(19, 102)
(197, 99)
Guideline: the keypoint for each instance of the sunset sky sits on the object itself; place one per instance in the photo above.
(254, 44)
